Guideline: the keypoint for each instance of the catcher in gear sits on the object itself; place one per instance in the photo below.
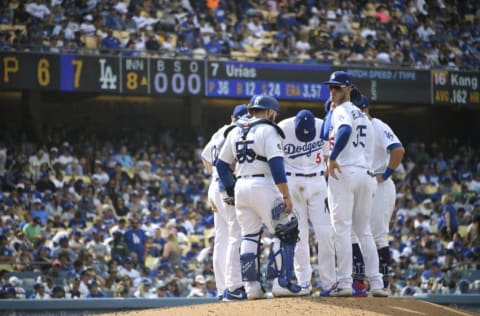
(256, 147)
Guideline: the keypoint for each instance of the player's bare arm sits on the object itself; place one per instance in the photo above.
(331, 166)
(396, 156)
(283, 187)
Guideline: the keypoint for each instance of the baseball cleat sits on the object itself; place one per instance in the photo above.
(334, 291)
(306, 290)
(380, 293)
(236, 295)
(256, 294)
(280, 291)
(338, 292)
(359, 289)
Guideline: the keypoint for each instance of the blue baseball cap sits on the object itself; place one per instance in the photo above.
(239, 111)
(361, 103)
(305, 126)
(339, 78)
(264, 102)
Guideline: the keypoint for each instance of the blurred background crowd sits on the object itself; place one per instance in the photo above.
(86, 215)
(83, 215)
(403, 33)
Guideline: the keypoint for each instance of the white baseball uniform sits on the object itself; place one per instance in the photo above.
(305, 168)
(350, 196)
(226, 251)
(384, 199)
(255, 189)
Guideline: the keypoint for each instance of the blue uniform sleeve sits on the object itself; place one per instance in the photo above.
(225, 174)
(278, 170)
(327, 121)
(341, 140)
(393, 146)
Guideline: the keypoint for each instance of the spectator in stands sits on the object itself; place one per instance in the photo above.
(94, 290)
(57, 292)
(33, 229)
(78, 221)
(129, 270)
(211, 287)
(124, 158)
(198, 287)
(97, 247)
(6, 253)
(24, 259)
(64, 247)
(473, 230)
(35, 161)
(144, 289)
(464, 287)
(39, 292)
(161, 290)
(100, 173)
(8, 292)
(110, 43)
(44, 183)
(17, 283)
(135, 239)
(172, 252)
(42, 258)
(174, 288)
(448, 223)
(38, 9)
(412, 287)
(432, 277)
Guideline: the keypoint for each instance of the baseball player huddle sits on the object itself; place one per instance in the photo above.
(333, 175)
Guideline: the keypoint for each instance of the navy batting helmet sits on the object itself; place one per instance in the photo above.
(355, 95)
(239, 111)
(339, 78)
(362, 103)
(264, 102)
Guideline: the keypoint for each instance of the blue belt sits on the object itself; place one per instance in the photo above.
(259, 175)
(307, 175)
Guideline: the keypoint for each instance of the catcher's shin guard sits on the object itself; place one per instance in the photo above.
(286, 230)
(250, 261)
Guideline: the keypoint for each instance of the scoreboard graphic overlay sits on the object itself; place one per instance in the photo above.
(148, 76)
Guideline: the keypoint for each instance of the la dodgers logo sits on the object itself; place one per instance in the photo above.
(294, 151)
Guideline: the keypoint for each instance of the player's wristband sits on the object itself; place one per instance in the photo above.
(285, 197)
(388, 172)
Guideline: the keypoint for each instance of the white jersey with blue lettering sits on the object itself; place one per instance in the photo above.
(262, 140)
(301, 157)
(384, 137)
(360, 146)
(350, 195)
(385, 194)
(212, 149)
(255, 190)
(226, 249)
(305, 167)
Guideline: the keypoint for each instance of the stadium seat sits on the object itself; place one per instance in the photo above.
(90, 42)
(6, 266)
(238, 55)
(469, 17)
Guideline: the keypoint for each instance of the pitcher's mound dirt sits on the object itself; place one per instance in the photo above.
(306, 306)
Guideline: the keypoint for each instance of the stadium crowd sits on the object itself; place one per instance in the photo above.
(85, 217)
(407, 33)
